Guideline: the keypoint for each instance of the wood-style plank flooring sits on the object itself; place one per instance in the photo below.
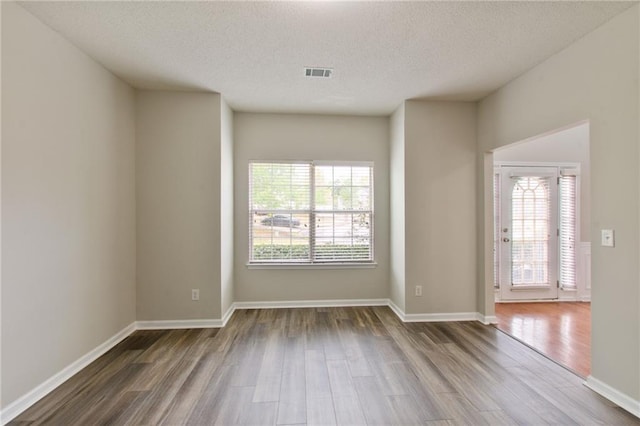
(560, 330)
(351, 366)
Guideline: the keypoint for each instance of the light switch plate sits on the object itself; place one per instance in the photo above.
(608, 239)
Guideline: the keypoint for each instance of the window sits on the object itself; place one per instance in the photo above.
(310, 212)
(531, 230)
(568, 231)
(496, 230)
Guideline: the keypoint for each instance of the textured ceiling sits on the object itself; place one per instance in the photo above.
(253, 53)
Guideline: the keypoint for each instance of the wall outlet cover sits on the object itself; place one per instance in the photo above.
(608, 238)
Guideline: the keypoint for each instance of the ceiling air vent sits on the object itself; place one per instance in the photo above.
(318, 72)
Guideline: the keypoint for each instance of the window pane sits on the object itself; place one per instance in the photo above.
(343, 236)
(277, 191)
(342, 176)
(324, 198)
(324, 175)
(342, 198)
(530, 231)
(361, 176)
(343, 188)
(279, 186)
(362, 198)
(280, 237)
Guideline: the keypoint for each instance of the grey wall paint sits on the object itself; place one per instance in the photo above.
(68, 204)
(594, 79)
(178, 183)
(440, 202)
(311, 137)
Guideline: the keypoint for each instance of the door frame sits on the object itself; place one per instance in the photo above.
(563, 294)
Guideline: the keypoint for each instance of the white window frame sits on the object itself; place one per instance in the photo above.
(311, 263)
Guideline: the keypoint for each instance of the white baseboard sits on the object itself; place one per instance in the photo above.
(487, 319)
(27, 400)
(311, 303)
(178, 324)
(396, 310)
(442, 317)
(622, 400)
(227, 315)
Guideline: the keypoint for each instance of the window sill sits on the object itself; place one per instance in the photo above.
(312, 265)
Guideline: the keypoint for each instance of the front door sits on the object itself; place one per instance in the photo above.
(529, 233)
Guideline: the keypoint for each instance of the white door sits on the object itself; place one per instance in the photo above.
(529, 233)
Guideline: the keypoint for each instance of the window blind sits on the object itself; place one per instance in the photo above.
(496, 230)
(306, 212)
(567, 230)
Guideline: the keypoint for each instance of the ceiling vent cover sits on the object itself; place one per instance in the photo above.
(318, 72)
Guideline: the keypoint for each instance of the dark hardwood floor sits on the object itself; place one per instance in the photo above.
(560, 330)
(352, 366)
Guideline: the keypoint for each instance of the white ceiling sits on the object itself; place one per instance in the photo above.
(253, 53)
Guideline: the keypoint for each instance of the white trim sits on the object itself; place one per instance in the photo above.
(343, 163)
(564, 165)
(227, 315)
(311, 303)
(584, 257)
(622, 400)
(317, 265)
(567, 297)
(487, 319)
(442, 317)
(396, 310)
(179, 324)
(15, 408)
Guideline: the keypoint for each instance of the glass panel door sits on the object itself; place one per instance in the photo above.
(528, 238)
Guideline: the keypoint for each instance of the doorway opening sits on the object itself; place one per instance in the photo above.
(542, 285)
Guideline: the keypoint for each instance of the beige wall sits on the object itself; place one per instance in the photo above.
(311, 137)
(397, 291)
(178, 183)
(440, 200)
(594, 79)
(68, 204)
(226, 206)
(569, 145)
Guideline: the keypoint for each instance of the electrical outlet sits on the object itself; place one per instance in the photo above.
(195, 294)
(608, 238)
(418, 290)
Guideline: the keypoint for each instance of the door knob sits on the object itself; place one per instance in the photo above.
(506, 240)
